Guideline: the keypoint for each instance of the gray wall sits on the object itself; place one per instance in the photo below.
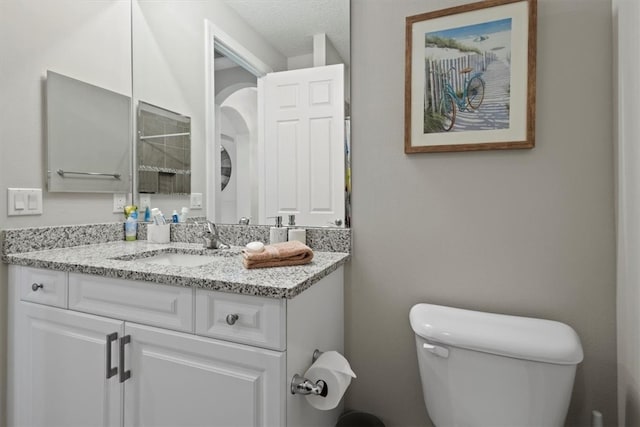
(87, 40)
(626, 33)
(519, 232)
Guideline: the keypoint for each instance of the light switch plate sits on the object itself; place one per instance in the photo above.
(196, 200)
(24, 201)
(119, 202)
(144, 201)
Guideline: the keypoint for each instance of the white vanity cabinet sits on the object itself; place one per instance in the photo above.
(117, 352)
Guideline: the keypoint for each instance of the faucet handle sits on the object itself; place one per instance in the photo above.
(211, 226)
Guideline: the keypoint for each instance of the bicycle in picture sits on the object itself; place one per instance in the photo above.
(469, 99)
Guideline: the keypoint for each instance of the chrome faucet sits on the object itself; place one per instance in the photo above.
(211, 237)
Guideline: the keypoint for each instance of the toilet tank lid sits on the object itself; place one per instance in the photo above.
(512, 336)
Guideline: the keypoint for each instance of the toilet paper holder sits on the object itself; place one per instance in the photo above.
(301, 385)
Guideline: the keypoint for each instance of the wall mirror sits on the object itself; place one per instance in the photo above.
(88, 137)
(207, 60)
(163, 150)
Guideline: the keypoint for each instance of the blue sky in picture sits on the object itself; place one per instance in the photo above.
(474, 30)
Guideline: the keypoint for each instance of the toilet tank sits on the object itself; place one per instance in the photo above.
(485, 369)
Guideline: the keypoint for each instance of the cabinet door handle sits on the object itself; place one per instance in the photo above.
(232, 319)
(36, 286)
(124, 375)
(111, 371)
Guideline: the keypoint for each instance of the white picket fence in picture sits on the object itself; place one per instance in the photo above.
(439, 71)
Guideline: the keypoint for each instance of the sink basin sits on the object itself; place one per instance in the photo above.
(178, 259)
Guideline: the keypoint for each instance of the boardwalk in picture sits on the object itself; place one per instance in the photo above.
(494, 112)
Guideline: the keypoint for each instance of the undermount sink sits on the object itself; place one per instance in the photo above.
(178, 259)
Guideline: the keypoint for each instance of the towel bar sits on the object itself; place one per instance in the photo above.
(62, 173)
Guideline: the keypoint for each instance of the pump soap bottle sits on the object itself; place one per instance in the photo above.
(299, 234)
(278, 234)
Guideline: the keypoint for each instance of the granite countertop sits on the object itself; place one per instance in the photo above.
(226, 273)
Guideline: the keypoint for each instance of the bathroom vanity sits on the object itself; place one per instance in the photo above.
(100, 336)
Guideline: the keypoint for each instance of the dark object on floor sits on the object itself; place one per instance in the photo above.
(359, 419)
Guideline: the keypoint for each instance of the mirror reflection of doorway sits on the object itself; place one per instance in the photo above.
(237, 103)
(300, 157)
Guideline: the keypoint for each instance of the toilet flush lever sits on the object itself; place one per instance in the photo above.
(436, 349)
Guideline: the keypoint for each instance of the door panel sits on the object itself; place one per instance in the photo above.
(61, 365)
(304, 144)
(178, 379)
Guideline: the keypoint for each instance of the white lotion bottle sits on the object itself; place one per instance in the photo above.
(278, 234)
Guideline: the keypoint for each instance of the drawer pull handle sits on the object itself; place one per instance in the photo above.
(111, 371)
(232, 319)
(36, 286)
(124, 374)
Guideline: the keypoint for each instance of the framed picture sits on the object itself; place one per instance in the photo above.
(470, 77)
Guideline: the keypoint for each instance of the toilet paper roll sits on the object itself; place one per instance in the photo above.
(332, 368)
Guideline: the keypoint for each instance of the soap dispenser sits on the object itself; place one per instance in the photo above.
(278, 234)
(299, 234)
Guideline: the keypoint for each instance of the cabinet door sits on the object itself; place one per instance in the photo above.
(60, 364)
(185, 380)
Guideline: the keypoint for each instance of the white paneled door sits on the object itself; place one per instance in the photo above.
(304, 144)
(67, 360)
(185, 380)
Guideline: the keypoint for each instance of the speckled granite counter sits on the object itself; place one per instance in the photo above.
(225, 273)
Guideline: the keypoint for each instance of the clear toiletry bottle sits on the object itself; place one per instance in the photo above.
(184, 213)
(131, 227)
(278, 234)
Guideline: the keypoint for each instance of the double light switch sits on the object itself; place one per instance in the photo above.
(24, 201)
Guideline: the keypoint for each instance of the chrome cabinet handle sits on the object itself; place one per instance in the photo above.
(111, 371)
(124, 375)
(232, 319)
(36, 286)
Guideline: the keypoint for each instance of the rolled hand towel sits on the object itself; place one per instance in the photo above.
(278, 255)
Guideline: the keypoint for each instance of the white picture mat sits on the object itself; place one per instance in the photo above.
(517, 130)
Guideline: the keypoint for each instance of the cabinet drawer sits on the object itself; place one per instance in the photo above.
(164, 306)
(43, 286)
(241, 318)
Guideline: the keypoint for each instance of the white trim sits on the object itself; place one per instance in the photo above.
(262, 199)
(216, 38)
(210, 96)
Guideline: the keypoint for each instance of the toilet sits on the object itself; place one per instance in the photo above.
(493, 370)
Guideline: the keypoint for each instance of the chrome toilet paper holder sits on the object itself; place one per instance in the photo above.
(301, 385)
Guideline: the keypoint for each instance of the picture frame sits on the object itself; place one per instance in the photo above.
(470, 77)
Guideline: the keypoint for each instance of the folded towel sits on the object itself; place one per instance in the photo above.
(278, 255)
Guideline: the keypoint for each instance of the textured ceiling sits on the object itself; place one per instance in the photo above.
(289, 25)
